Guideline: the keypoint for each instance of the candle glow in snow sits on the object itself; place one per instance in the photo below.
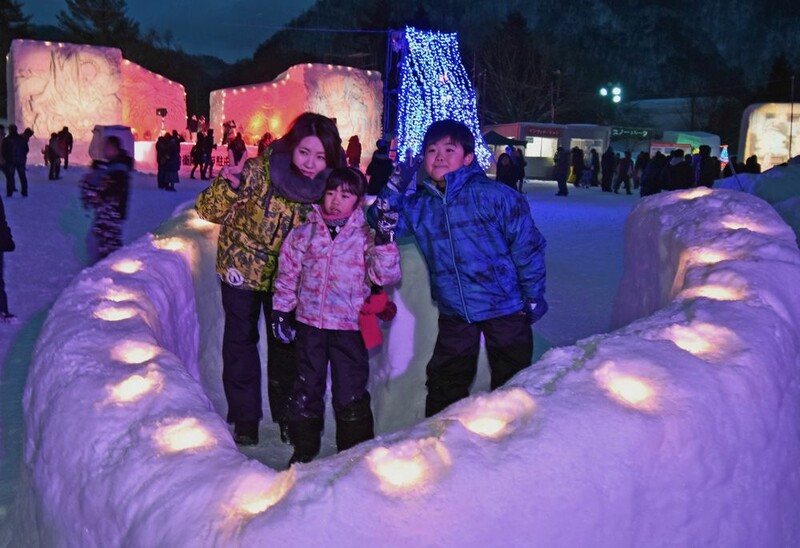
(715, 292)
(127, 266)
(256, 492)
(134, 352)
(115, 313)
(701, 339)
(135, 387)
(626, 388)
(493, 415)
(408, 466)
(183, 435)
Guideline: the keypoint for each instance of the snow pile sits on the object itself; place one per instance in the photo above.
(678, 429)
(779, 186)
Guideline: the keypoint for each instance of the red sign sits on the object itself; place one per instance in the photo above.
(534, 131)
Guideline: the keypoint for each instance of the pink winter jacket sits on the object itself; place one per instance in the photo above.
(326, 281)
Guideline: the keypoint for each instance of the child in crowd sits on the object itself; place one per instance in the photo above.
(485, 260)
(326, 268)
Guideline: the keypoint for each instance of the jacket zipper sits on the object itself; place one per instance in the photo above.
(453, 255)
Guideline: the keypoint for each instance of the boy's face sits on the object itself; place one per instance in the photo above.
(445, 156)
(339, 202)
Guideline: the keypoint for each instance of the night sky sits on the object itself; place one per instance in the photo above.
(230, 29)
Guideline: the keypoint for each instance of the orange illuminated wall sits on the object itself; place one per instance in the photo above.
(143, 92)
(56, 84)
(353, 97)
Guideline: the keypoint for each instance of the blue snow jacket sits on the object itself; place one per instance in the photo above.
(485, 255)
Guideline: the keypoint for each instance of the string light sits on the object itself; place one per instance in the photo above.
(434, 86)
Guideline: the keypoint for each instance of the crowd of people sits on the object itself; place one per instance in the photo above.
(614, 170)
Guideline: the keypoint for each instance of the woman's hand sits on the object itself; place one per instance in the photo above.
(233, 180)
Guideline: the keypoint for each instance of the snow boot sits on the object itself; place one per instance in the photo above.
(245, 433)
(354, 424)
(305, 435)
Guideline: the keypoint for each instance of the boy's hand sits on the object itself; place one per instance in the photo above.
(282, 328)
(536, 309)
(386, 223)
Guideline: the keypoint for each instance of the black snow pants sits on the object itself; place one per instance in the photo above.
(452, 368)
(349, 362)
(241, 364)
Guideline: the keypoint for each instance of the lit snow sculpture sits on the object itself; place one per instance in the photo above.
(55, 84)
(767, 131)
(353, 97)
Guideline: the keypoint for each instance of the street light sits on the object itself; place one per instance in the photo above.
(613, 90)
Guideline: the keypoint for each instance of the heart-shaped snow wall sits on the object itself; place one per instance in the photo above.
(679, 428)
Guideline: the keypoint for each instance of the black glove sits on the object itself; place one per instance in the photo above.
(386, 223)
(536, 309)
(282, 326)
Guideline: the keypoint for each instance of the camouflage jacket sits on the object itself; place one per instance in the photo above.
(254, 222)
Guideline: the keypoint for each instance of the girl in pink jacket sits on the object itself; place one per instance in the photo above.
(326, 269)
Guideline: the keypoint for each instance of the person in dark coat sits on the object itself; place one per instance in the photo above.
(208, 146)
(506, 171)
(65, 145)
(650, 182)
(751, 165)
(577, 166)
(6, 245)
(519, 166)
(561, 161)
(608, 166)
(353, 152)
(624, 172)
(594, 167)
(677, 175)
(379, 169)
(197, 154)
(53, 157)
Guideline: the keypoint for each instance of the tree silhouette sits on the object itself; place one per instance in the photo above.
(517, 75)
(99, 22)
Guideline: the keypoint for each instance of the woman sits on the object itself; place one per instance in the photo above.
(257, 209)
(237, 156)
(506, 172)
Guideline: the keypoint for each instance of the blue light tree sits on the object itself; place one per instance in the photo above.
(434, 86)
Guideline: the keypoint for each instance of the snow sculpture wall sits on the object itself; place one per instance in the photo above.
(353, 97)
(765, 131)
(143, 92)
(676, 430)
(55, 84)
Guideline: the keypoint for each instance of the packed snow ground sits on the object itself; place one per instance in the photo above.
(680, 459)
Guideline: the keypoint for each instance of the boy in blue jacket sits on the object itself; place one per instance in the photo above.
(485, 260)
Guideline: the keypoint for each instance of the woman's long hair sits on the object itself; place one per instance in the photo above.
(310, 123)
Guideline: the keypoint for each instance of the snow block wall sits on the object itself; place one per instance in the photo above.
(353, 97)
(768, 132)
(678, 429)
(56, 84)
(143, 92)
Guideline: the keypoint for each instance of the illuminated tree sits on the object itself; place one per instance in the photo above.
(99, 22)
(434, 86)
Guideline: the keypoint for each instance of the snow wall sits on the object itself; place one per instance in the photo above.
(57, 84)
(678, 429)
(768, 132)
(353, 97)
